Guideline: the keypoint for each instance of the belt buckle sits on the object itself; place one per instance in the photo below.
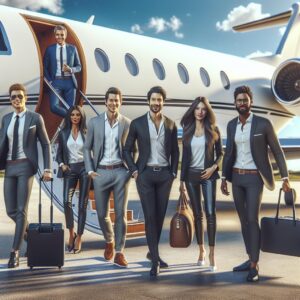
(156, 169)
(242, 172)
(109, 167)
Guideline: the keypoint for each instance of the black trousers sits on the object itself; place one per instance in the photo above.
(247, 193)
(77, 173)
(193, 185)
(154, 190)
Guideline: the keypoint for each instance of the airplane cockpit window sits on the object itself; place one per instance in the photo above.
(102, 60)
(204, 77)
(183, 73)
(4, 43)
(131, 64)
(159, 69)
(225, 80)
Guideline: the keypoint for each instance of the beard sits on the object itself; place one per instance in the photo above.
(243, 111)
(155, 108)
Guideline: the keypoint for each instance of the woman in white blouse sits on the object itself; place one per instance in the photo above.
(70, 159)
(202, 152)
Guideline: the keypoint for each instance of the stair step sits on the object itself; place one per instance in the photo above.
(129, 215)
(135, 226)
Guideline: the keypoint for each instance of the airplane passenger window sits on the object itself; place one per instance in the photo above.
(131, 64)
(4, 43)
(102, 60)
(159, 69)
(183, 73)
(204, 77)
(225, 80)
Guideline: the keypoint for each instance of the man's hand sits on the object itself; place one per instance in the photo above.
(65, 168)
(47, 176)
(224, 187)
(286, 185)
(135, 175)
(66, 68)
(94, 175)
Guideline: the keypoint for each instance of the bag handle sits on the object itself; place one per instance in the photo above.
(40, 201)
(182, 202)
(278, 205)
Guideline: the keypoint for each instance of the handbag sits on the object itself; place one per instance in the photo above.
(182, 224)
(281, 235)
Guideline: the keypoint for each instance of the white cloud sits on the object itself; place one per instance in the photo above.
(240, 15)
(161, 25)
(53, 6)
(136, 28)
(259, 53)
(158, 24)
(282, 30)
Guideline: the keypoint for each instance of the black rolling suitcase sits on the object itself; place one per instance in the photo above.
(45, 245)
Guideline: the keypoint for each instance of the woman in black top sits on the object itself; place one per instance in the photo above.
(70, 160)
(202, 152)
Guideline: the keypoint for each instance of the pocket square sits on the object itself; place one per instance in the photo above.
(32, 126)
(258, 134)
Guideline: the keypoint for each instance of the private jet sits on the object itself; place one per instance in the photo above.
(135, 63)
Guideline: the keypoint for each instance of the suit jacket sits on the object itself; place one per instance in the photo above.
(262, 136)
(50, 63)
(94, 141)
(139, 130)
(62, 155)
(34, 131)
(212, 156)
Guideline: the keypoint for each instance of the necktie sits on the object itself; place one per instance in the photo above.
(61, 61)
(15, 139)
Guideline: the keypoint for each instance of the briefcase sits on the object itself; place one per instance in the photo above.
(281, 235)
(182, 224)
(45, 245)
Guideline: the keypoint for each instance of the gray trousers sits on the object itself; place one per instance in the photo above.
(115, 181)
(247, 192)
(17, 189)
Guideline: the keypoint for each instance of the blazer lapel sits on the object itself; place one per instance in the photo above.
(147, 133)
(167, 132)
(252, 131)
(28, 118)
(120, 132)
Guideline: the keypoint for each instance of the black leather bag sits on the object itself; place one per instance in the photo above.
(281, 235)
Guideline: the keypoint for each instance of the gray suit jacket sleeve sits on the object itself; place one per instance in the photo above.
(45, 143)
(276, 150)
(129, 148)
(88, 146)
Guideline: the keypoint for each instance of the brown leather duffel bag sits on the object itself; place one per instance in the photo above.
(182, 224)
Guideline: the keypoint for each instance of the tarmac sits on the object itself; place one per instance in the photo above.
(88, 276)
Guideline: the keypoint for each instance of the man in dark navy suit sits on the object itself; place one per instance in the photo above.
(61, 62)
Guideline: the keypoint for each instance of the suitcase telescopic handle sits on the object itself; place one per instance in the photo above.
(40, 201)
(278, 205)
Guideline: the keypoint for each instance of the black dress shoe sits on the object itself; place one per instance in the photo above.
(13, 260)
(253, 275)
(163, 264)
(243, 267)
(154, 270)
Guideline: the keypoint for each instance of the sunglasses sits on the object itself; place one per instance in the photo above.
(14, 97)
(242, 101)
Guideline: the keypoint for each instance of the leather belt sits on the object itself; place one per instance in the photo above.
(157, 168)
(244, 171)
(16, 161)
(111, 167)
(63, 77)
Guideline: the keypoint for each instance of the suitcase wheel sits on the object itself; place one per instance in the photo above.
(59, 267)
(31, 267)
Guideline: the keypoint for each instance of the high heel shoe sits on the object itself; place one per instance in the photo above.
(71, 247)
(212, 268)
(77, 250)
(201, 262)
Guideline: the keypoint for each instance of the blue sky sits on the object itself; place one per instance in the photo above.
(205, 24)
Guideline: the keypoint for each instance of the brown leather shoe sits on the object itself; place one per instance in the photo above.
(120, 260)
(109, 251)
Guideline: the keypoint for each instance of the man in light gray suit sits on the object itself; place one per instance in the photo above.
(247, 165)
(103, 160)
(19, 133)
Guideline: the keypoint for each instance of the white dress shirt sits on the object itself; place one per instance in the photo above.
(58, 65)
(75, 148)
(157, 144)
(198, 152)
(244, 158)
(111, 155)
(10, 135)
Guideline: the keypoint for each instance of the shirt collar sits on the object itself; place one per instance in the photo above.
(106, 118)
(149, 118)
(249, 119)
(58, 46)
(20, 114)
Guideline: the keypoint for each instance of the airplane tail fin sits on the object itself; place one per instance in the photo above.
(289, 45)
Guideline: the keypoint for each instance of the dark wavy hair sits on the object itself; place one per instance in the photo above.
(188, 123)
(243, 89)
(68, 123)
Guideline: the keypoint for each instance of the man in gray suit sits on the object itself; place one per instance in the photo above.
(19, 133)
(103, 160)
(247, 165)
